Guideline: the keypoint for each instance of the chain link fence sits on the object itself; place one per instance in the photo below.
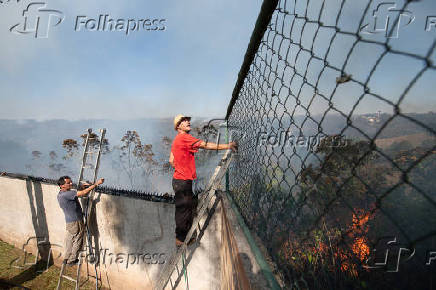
(211, 131)
(336, 162)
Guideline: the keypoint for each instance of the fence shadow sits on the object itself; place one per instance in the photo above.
(39, 219)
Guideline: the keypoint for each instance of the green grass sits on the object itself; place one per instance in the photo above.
(31, 276)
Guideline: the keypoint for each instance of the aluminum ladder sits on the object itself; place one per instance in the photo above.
(93, 146)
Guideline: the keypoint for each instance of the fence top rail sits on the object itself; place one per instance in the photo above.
(149, 196)
(264, 18)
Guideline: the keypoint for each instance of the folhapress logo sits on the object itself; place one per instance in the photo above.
(38, 20)
(389, 255)
(390, 24)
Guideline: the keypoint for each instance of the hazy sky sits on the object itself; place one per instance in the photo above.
(190, 67)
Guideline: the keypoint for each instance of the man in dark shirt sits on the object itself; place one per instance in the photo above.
(69, 203)
(182, 159)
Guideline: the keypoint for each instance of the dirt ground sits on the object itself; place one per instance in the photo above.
(13, 275)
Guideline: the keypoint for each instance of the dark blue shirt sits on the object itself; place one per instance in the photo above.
(69, 203)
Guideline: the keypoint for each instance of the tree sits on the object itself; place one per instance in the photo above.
(339, 175)
(335, 204)
(166, 146)
(72, 146)
(54, 166)
(129, 141)
(166, 142)
(35, 163)
(36, 154)
(144, 156)
(94, 143)
(133, 155)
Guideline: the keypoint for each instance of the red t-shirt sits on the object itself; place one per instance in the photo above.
(183, 148)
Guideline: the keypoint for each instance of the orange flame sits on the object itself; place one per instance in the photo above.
(359, 248)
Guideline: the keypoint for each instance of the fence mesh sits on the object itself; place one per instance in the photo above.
(212, 131)
(334, 172)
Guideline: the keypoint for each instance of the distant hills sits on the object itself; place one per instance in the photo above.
(19, 138)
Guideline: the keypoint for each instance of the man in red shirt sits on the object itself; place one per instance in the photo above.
(182, 159)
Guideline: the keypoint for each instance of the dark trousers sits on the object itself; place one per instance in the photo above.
(186, 206)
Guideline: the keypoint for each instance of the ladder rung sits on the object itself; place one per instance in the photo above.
(90, 152)
(69, 278)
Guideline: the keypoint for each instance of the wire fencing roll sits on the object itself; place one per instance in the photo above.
(336, 162)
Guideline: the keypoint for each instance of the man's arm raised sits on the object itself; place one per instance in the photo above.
(214, 146)
(85, 191)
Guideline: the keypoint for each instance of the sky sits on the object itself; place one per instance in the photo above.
(189, 67)
(305, 49)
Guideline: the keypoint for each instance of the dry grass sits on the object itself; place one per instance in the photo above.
(414, 139)
(30, 276)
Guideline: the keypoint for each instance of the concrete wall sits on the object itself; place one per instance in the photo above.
(135, 236)
(223, 259)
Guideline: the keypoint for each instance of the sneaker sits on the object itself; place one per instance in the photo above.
(178, 243)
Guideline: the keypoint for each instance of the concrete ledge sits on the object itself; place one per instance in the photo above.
(250, 265)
